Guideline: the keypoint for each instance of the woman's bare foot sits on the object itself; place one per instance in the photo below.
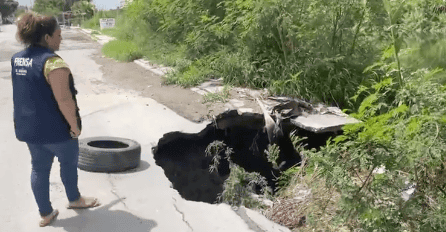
(49, 218)
(83, 203)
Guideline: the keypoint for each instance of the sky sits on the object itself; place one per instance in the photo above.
(100, 4)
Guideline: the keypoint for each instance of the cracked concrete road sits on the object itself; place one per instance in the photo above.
(137, 200)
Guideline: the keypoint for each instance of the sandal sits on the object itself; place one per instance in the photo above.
(49, 218)
(83, 203)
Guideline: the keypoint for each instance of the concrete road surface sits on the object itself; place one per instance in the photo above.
(139, 200)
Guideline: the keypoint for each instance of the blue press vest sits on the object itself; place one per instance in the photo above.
(37, 117)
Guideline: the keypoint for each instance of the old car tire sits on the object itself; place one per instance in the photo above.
(108, 154)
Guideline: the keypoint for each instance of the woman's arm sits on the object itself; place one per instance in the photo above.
(59, 82)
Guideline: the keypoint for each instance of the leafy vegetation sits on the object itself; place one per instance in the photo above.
(403, 133)
(382, 61)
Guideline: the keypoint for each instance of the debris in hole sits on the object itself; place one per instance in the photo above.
(317, 119)
(247, 136)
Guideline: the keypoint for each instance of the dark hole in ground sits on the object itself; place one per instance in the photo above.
(183, 157)
(107, 144)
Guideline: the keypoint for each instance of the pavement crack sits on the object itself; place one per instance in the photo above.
(182, 214)
(113, 191)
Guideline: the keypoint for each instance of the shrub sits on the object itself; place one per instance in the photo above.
(239, 187)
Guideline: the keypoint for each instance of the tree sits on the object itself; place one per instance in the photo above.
(69, 4)
(83, 8)
(7, 7)
(49, 7)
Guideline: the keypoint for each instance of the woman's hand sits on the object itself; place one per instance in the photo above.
(75, 132)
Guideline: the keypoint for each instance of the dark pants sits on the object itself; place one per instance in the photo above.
(42, 158)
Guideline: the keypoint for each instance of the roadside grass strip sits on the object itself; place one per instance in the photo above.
(121, 50)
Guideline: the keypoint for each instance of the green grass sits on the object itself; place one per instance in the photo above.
(92, 23)
(121, 50)
(222, 96)
(192, 76)
(161, 52)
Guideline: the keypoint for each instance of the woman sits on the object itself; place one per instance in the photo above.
(46, 115)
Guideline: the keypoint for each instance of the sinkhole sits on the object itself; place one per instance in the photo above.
(183, 157)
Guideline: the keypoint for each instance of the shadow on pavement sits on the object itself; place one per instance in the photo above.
(104, 219)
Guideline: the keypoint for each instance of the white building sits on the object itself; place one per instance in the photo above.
(124, 3)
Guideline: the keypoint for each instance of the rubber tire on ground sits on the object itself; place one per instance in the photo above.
(102, 159)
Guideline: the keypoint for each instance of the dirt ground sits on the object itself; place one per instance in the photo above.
(130, 76)
(184, 101)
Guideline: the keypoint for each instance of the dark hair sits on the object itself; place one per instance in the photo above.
(32, 28)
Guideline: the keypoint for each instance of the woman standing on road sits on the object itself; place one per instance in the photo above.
(46, 115)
